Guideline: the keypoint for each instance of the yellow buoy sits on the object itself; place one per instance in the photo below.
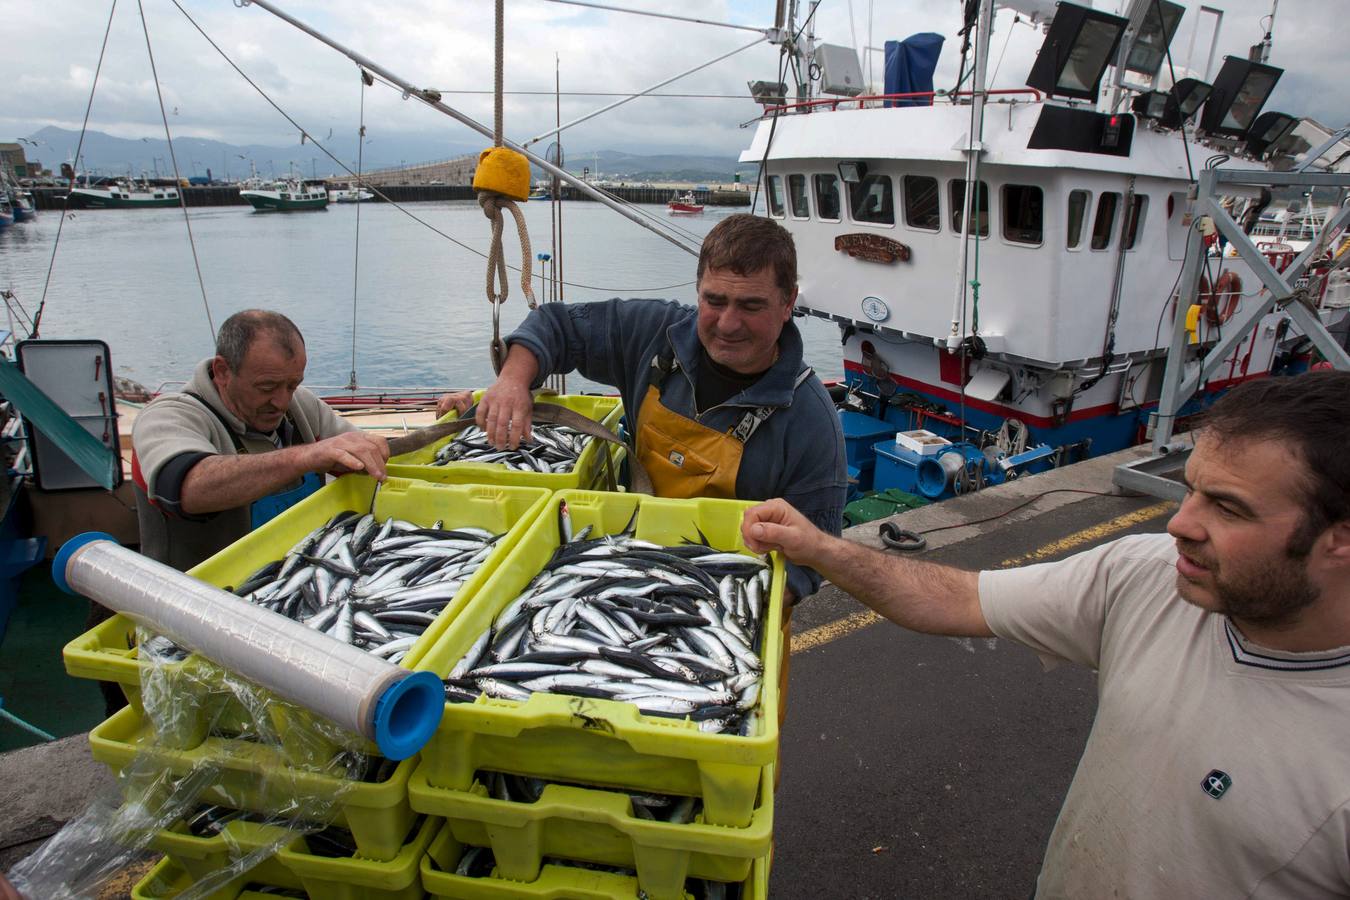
(503, 171)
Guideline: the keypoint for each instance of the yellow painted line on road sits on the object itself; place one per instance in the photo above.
(833, 631)
(1087, 535)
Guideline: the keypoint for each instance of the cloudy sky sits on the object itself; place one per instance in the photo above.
(53, 49)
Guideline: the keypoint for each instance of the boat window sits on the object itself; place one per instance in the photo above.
(801, 207)
(870, 200)
(958, 190)
(1023, 213)
(921, 203)
(1134, 219)
(1078, 207)
(827, 197)
(776, 196)
(1105, 225)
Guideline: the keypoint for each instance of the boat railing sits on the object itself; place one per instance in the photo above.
(834, 102)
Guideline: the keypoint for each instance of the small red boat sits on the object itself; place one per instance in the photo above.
(684, 203)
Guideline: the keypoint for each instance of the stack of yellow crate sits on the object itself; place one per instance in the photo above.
(601, 745)
(412, 827)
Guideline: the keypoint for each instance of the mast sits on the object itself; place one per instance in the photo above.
(974, 147)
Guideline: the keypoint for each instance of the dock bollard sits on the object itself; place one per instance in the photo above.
(397, 709)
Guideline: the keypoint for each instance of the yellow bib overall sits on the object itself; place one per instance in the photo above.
(686, 458)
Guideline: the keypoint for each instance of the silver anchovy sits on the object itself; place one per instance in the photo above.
(674, 630)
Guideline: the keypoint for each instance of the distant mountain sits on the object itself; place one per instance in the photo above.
(617, 165)
(104, 154)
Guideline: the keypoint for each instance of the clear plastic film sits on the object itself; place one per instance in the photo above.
(338, 681)
(216, 758)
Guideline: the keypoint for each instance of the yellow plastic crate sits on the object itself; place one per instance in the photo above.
(590, 471)
(604, 742)
(353, 878)
(555, 882)
(106, 652)
(599, 826)
(168, 879)
(254, 777)
(201, 856)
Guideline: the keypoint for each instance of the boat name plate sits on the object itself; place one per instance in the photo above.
(872, 247)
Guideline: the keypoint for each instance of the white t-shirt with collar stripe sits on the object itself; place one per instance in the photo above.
(1215, 768)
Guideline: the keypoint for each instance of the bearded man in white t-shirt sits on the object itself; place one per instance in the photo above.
(1219, 760)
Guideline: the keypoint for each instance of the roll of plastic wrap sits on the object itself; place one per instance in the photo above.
(397, 709)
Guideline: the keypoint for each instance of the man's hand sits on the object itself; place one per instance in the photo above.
(351, 451)
(459, 401)
(8, 891)
(505, 408)
(776, 525)
(504, 414)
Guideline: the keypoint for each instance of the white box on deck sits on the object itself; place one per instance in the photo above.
(921, 441)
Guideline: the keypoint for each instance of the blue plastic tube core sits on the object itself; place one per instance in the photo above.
(408, 713)
(69, 549)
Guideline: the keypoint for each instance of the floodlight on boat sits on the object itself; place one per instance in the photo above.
(1077, 49)
(1268, 129)
(1190, 94)
(1157, 24)
(1240, 90)
(1183, 100)
(768, 93)
(1151, 105)
(852, 171)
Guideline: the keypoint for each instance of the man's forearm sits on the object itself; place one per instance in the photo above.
(921, 596)
(521, 366)
(224, 482)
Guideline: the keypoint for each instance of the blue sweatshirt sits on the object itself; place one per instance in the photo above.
(796, 454)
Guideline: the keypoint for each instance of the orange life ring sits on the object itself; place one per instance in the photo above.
(1221, 303)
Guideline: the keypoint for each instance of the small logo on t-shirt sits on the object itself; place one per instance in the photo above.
(1217, 783)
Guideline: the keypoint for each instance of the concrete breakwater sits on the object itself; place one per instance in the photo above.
(228, 195)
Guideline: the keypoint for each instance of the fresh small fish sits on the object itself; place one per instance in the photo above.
(672, 630)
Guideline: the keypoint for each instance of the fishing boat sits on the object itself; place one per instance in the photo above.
(20, 201)
(6, 211)
(345, 193)
(1004, 287)
(123, 194)
(289, 195)
(684, 203)
(24, 206)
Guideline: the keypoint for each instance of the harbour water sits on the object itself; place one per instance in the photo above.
(421, 317)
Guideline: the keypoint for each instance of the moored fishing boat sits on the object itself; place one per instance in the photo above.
(20, 201)
(23, 205)
(124, 194)
(286, 196)
(1006, 287)
(345, 193)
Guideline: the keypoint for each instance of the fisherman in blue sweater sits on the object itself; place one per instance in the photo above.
(720, 400)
